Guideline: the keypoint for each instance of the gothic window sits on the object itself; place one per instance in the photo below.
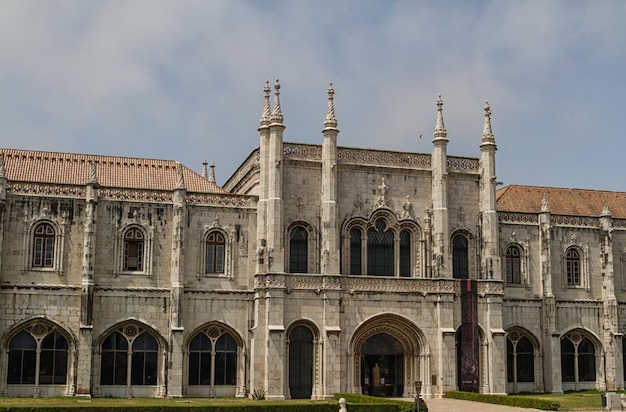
(578, 359)
(131, 356)
(298, 250)
(405, 253)
(36, 359)
(520, 358)
(43, 246)
(512, 268)
(572, 266)
(355, 251)
(380, 257)
(215, 253)
(134, 242)
(213, 358)
(460, 260)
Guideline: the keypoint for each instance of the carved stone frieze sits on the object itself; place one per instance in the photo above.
(302, 151)
(136, 195)
(574, 221)
(219, 200)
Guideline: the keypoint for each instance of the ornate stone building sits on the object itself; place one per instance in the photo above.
(315, 269)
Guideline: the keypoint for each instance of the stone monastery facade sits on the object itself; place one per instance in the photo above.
(315, 269)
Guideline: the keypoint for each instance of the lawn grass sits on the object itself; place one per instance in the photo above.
(575, 401)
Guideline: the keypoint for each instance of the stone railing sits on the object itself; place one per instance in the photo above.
(362, 284)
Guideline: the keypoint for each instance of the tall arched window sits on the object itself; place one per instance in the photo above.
(129, 355)
(520, 358)
(215, 251)
(460, 260)
(405, 253)
(572, 267)
(134, 249)
(578, 358)
(298, 250)
(43, 246)
(38, 355)
(355, 251)
(512, 265)
(380, 250)
(213, 358)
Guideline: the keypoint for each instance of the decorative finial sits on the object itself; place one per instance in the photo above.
(93, 173)
(3, 170)
(277, 116)
(180, 183)
(331, 120)
(487, 133)
(440, 129)
(212, 174)
(205, 174)
(265, 117)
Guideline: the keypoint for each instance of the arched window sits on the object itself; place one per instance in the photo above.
(578, 359)
(215, 251)
(572, 267)
(405, 253)
(134, 249)
(301, 362)
(298, 250)
(355, 251)
(512, 265)
(43, 356)
(380, 250)
(43, 246)
(213, 358)
(460, 261)
(520, 358)
(143, 357)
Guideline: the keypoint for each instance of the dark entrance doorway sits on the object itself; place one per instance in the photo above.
(382, 366)
(301, 363)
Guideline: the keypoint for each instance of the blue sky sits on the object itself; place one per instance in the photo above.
(183, 79)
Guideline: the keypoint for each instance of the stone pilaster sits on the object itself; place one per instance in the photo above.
(275, 229)
(490, 258)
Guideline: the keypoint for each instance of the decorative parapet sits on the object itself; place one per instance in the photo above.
(619, 223)
(136, 195)
(358, 284)
(512, 217)
(560, 220)
(213, 199)
(383, 158)
(18, 287)
(302, 151)
(463, 164)
(39, 189)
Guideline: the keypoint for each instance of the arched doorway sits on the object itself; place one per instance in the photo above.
(301, 362)
(394, 349)
(382, 366)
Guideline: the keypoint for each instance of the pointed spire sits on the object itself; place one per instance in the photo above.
(487, 133)
(606, 211)
(180, 183)
(3, 170)
(440, 130)
(205, 174)
(331, 120)
(277, 116)
(93, 173)
(212, 174)
(265, 117)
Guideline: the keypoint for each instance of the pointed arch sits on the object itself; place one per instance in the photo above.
(524, 361)
(304, 360)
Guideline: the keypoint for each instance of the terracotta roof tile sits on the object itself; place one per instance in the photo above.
(561, 201)
(112, 171)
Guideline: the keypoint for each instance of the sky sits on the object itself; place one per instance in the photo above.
(183, 80)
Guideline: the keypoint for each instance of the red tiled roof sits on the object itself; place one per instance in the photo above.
(119, 172)
(561, 201)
